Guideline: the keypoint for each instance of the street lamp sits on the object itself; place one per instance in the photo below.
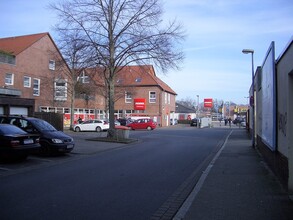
(250, 51)
(197, 102)
(197, 115)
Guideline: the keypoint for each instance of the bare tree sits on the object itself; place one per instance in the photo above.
(123, 32)
(75, 53)
(188, 102)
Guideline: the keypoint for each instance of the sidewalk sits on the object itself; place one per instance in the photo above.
(238, 185)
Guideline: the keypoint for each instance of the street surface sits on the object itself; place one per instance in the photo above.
(151, 177)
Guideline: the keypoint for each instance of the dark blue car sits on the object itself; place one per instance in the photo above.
(51, 140)
(16, 143)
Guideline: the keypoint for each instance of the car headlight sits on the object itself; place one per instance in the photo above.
(57, 141)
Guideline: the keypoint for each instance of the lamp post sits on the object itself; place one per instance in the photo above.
(197, 113)
(250, 51)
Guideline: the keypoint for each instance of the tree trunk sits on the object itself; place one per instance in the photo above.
(111, 131)
(72, 103)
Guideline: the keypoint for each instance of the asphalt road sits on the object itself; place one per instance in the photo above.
(141, 180)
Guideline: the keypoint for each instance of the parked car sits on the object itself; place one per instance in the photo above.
(173, 121)
(17, 143)
(193, 122)
(124, 121)
(144, 123)
(92, 125)
(117, 123)
(51, 140)
(238, 120)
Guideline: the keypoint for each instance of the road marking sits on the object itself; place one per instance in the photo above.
(188, 202)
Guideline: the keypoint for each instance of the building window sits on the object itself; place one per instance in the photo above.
(119, 81)
(36, 87)
(9, 78)
(128, 97)
(83, 78)
(52, 64)
(7, 58)
(60, 87)
(169, 98)
(138, 79)
(166, 98)
(152, 97)
(26, 81)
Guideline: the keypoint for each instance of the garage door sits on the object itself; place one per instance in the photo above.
(19, 111)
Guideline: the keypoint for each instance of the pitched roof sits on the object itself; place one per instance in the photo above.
(16, 45)
(184, 109)
(127, 76)
(143, 75)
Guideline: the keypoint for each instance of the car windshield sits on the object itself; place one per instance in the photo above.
(42, 125)
(11, 130)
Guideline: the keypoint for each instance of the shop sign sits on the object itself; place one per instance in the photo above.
(139, 104)
(208, 103)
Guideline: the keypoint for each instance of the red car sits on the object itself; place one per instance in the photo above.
(143, 123)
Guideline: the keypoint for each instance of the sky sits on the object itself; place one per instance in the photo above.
(216, 32)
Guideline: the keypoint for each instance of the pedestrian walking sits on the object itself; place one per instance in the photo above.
(229, 120)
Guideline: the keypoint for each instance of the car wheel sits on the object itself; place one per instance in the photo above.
(98, 129)
(77, 129)
(45, 150)
(149, 128)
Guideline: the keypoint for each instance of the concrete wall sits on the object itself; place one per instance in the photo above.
(290, 132)
(285, 109)
(284, 67)
(279, 159)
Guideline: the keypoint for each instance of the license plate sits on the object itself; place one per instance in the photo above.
(28, 141)
(70, 146)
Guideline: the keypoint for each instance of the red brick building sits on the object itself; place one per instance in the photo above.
(29, 75)
(31, 80)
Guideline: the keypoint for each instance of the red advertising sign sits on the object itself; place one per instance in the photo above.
(208, 103)
(139, 104)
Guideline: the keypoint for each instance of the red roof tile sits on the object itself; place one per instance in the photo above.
(16, 45)
(143, 75)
